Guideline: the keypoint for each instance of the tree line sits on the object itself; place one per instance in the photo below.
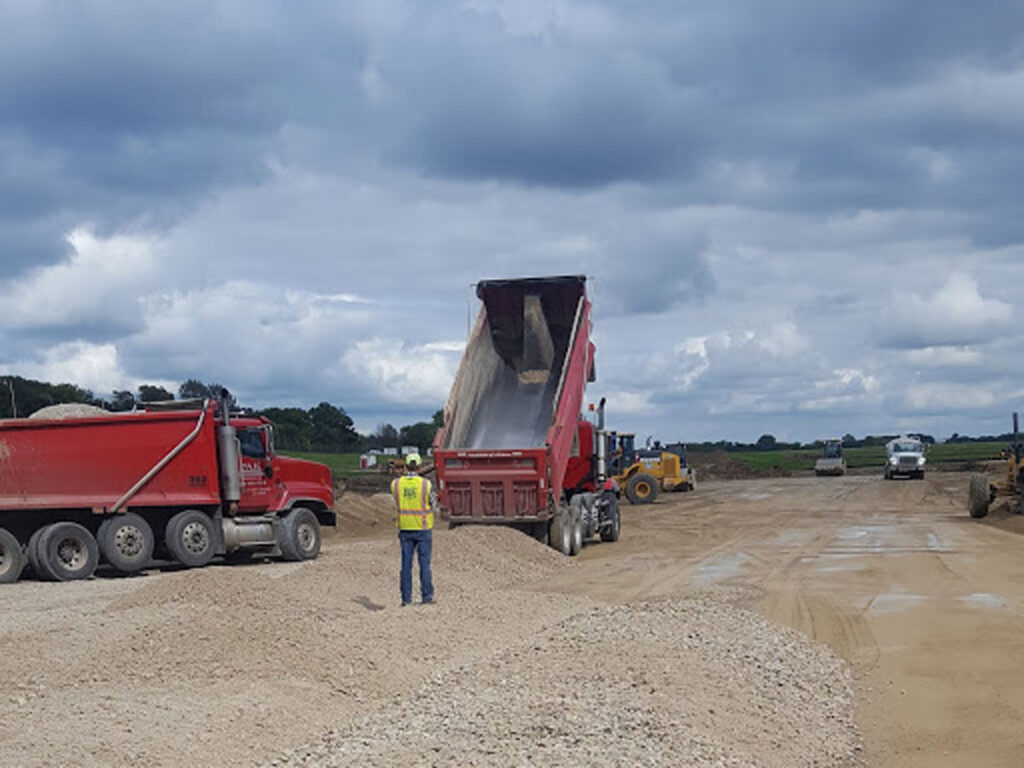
(324, 428)
(327, 428)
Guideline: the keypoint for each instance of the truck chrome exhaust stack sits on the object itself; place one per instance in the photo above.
(602, 446)
(230, 455)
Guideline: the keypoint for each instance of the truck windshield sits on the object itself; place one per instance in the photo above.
(906, 448)
(251, 442)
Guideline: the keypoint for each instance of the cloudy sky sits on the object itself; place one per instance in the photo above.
(797, 217)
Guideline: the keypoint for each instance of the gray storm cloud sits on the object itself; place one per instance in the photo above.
(838, 180)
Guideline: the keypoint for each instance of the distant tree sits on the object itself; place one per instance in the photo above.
(293, 429)
(420, 434)
(195, 389)
(332, 430)
(849, 441)
(766, 443)
(438, 418)
(22, 397)
(123, 400)
(385, 436)
(149, 393)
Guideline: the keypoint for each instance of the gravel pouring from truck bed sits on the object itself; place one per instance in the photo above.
(693, 682)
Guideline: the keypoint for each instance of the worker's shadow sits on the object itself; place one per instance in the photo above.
(367, 603)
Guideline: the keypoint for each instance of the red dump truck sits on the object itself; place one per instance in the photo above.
(513, 449)
(184, 478)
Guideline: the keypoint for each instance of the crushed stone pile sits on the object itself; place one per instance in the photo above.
(69, 411)
(693, 682)
(255, 660)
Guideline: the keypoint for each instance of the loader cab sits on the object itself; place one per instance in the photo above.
(679, 449)
(627, 448)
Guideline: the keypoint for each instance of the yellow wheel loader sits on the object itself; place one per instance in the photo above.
(642, 474)
(982, 493)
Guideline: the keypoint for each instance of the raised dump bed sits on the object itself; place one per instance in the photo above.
(510, 422)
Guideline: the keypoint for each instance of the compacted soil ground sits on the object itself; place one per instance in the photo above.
(774, 622)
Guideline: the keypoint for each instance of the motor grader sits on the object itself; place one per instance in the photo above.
(644, 473)
(982, 493)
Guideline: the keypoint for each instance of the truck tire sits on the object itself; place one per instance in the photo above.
(576, 530)
(190, 539)
(298, 535)
(66, 552)
(641, 489)
(32, 555)
(126, 542)
(978, 496)
(560, 535)
(12, 559)
(611, 532)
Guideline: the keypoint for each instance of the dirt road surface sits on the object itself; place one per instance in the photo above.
(926, 604)
(774, 622)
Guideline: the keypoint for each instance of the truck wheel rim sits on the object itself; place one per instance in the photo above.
(128, 541)
(71, 554)
(195, 538)
(306, 537)
(643, 490)
(6, 561)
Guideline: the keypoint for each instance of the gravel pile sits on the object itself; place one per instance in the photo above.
(69, 411)
(253, 661)
(250, 660)
(694, 682)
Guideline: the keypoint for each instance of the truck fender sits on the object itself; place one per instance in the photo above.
(324, 515)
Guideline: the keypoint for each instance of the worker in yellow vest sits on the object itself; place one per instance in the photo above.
(415, 528)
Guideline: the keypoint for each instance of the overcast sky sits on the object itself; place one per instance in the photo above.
(798, 217)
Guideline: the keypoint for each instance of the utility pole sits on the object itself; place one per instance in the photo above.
(14, 403)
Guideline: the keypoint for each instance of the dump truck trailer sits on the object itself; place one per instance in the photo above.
(512, 420)
(184, 478)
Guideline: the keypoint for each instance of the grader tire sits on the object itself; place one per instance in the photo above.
(978, 496)
(641, 489)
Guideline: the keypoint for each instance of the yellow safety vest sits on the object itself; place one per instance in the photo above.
(412, 493)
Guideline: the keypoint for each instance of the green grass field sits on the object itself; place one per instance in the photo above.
(341, 464)
(347, 464)
(873, 456)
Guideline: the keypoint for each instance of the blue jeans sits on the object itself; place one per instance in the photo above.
(421, 543)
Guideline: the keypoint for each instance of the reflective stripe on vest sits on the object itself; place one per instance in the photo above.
(413, 496)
